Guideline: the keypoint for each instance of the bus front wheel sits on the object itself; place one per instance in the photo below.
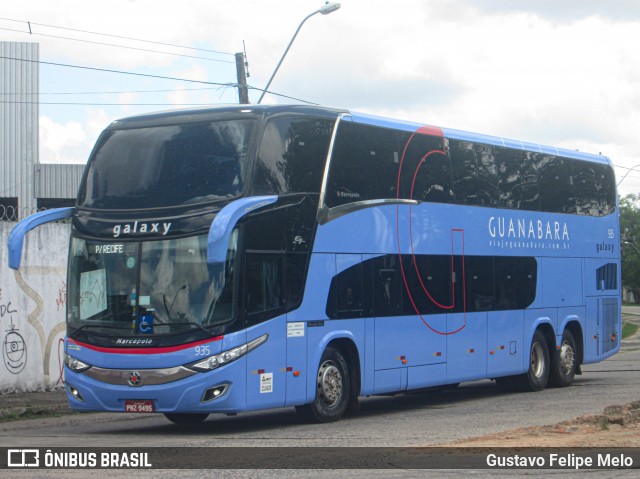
(332, 389)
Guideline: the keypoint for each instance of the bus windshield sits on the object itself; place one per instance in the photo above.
(168, 165)
(146, 288)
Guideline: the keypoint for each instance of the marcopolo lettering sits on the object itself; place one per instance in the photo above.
(520, 228)
(141, 228)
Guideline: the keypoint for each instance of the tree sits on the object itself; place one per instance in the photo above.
(630, 242)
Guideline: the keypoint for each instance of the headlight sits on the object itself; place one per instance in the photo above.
(226, 357)
(75, 365)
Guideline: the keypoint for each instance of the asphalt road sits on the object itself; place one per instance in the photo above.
(405, 420)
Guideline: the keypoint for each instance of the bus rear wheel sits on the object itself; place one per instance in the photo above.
(332, 389)
(189, 418)
(564, 364)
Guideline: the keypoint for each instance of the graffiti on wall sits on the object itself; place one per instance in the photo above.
(14, 348)
(33, 301)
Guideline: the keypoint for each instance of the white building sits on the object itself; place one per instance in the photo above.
(25, 184)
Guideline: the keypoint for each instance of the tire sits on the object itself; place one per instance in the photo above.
(190, 418)
(537, 376)
(565, 362)
(332, 389)
(539, 364)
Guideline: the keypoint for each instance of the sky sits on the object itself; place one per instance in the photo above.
(562, 73)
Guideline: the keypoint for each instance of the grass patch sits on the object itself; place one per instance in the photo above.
(603, 423)
(629, 329)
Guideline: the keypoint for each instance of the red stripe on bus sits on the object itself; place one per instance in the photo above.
(430, 130)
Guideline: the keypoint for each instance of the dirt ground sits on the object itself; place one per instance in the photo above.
(617, 426)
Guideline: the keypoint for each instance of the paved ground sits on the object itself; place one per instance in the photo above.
(32, 404)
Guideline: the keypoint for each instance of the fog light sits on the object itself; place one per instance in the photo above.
(214, 392)
(75, 393)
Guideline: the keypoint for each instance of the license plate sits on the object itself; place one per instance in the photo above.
(139, 405)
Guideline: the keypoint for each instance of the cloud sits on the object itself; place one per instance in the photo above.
(564, 10)
(563, 73)
(70, 142)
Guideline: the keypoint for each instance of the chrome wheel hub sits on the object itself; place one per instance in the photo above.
(329, 383)
(567, 357)
(537, 360)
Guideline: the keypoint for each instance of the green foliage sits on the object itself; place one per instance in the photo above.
(628, 330)
(630, 242)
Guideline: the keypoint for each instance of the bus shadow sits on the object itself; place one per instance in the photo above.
(259, 421)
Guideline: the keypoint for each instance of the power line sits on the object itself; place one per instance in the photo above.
(11, 102)
(161, 77)
(119, 46)
(113, 92)
(116, 36)
(120, 72)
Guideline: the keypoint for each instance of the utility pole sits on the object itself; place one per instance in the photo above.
(243, 91)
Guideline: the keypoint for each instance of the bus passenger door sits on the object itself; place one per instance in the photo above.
(264, 306)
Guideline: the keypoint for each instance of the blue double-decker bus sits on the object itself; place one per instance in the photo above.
(250, 257)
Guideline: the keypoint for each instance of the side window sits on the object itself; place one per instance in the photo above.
(364, 165)
(479, 285)
(594, 188)
(292, 155)
(475, 179)
(263, 286)
(518, 179)
(556, 185)
(387, 286)
(607, 277)
(424, 170)
(350, 293)
(515, 282)
(487, 175)
(296, 264)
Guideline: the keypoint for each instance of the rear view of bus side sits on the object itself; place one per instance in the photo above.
(243, 258)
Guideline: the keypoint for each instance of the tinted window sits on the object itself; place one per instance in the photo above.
(347, 294)
(475, 180)
(479, 287)
(168, 165)
(556, 185)
(518, 179)
(607, 277)
(594, 189)
(515, 280)
(426, 172)
(424, 285)
(364, 164)
(263, 286)
(387, 286)
(371, 162)
(292, 155)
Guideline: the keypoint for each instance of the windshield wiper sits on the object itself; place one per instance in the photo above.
(192, 323)
(101, 326)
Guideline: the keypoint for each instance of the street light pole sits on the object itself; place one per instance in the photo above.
(324, 10)
(625, 175)
(634, 246)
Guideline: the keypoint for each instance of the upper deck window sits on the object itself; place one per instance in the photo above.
(168, 165)
(292, 155)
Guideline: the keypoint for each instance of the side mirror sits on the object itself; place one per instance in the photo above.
(16, 237)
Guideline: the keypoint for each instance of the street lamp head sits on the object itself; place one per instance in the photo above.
(328, 8)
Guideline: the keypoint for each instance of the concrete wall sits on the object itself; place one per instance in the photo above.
(32, 310)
